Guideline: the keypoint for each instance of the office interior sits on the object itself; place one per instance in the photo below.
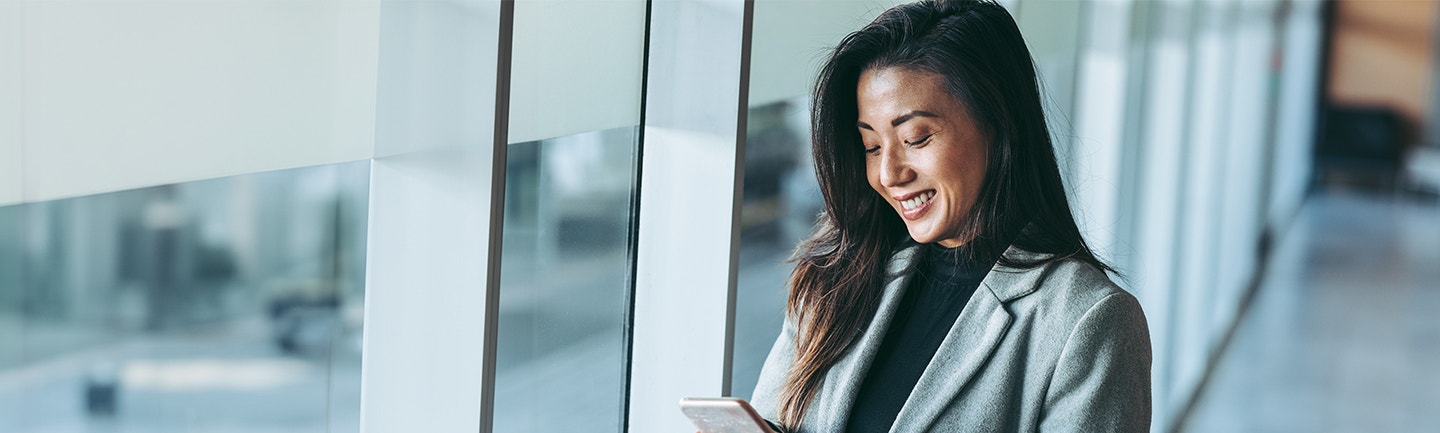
(565, 215)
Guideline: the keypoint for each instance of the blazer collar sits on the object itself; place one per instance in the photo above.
(970, 342)
(1004, 282)
(1007, 283)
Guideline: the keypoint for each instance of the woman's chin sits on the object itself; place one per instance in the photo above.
(924, 237)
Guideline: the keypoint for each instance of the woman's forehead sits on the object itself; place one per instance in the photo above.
(885, 95)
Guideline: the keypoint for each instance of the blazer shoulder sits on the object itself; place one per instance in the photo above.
(1083, 279)
(1070, 287)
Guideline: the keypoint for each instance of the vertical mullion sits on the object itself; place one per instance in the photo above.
(632, 236)
(497, 212)
(741, 123)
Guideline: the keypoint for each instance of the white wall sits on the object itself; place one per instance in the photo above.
(1295, 123)
(1159, 196)
(1243, 182)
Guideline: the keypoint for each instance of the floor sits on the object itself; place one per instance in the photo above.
(1344, 331)
(219, 379)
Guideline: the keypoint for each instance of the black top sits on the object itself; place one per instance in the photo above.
(940, 288)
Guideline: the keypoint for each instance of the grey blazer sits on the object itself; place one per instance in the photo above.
(1058, 348)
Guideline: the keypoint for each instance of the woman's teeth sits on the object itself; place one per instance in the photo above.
(918, 200)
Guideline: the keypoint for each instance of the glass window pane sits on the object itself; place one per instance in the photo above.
(10, 295)
(779, 208)
(230, 304)
(565, 280)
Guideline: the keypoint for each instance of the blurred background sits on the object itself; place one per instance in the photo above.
(227, 305)
(202, 204)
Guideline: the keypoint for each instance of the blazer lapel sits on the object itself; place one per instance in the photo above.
(970, 342)
(848, 373)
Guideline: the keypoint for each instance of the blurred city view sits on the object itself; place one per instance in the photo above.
(564, 276)
(224, 305)
(1264, 173)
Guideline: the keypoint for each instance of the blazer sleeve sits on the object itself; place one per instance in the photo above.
(772, 375)
(1102, 379)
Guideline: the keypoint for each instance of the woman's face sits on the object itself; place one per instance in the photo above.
(923, 152)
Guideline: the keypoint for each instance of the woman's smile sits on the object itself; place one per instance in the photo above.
(914, 205)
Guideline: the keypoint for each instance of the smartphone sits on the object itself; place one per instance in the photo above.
(723, 415)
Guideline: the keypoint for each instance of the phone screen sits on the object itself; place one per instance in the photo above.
(723, 415)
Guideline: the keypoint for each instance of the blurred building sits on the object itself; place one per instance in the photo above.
(564, 215)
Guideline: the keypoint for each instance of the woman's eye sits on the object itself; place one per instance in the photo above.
(921, 141)
(872, 150)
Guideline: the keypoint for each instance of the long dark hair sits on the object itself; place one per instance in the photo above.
(839, 271)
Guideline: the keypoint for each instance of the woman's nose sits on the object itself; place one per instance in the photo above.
(894, 169)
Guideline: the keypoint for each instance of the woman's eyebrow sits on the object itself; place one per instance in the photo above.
(902, 119)
(911, 115)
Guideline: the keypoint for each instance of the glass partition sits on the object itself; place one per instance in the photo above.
(564, 285)
(11, 295)
(781, 202)
(232, 304)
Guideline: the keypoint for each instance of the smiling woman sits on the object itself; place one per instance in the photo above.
(947, 286)
(926, 154)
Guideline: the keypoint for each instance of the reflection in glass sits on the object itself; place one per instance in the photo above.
(564, 287)
(221, 305)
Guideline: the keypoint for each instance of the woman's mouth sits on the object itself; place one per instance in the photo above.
(915, 206)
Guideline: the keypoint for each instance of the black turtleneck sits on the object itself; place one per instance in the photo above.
(939, 288)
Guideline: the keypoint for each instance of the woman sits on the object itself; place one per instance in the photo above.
(947, 287)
